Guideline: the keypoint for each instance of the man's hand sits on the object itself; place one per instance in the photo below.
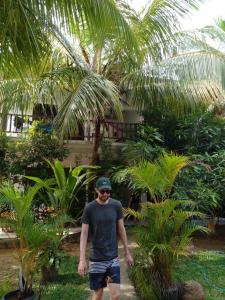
(129, 259)
(82, 268)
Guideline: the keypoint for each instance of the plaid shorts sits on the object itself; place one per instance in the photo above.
(103, 272)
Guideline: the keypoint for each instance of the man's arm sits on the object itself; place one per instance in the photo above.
(82, 267)
(123, 237)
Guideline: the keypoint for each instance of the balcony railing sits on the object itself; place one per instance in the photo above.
(15, 124)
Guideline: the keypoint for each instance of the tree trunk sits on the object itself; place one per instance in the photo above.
(97, 142)
(212, 225)
(3, 121)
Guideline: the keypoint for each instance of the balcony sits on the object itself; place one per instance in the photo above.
(17, 124)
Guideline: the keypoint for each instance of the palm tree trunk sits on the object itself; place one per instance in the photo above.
(3, 117)
(97, 142)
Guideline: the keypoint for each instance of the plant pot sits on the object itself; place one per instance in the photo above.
(171, 293)
(14, 296)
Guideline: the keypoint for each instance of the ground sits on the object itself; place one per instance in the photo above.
(9, 268)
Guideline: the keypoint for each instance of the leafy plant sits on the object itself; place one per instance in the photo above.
(147, 145)
(201, 133)
(61, 191)
(31, 151)
(203, 182)
(63, 188)
(32, 236)
(166, 224)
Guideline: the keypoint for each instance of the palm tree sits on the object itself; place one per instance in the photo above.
(111, 42)
(63, 188)
(32, 236)
(166, 227)
(190, 77)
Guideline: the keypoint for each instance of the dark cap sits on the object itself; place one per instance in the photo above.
(103, 183)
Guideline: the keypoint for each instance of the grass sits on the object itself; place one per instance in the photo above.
(5, 287)
(206, 267)
(69, 285)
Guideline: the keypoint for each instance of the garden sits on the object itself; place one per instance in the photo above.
(82, 63)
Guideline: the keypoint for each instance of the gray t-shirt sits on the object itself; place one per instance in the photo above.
(103, 233)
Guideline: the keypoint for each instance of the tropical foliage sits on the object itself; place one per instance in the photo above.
(203, 183)
(146, 146)
(166, 224)
(201, 133)
(36, 148)
(62, 188)
(32, 236)
(112, 44)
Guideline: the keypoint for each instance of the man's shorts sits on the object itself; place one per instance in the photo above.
(103, 272)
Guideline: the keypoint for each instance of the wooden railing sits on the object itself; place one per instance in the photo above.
(15, 124)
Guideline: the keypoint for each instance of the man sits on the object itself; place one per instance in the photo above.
(103, 221)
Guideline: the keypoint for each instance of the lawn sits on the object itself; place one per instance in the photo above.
(206, 267)
(68, 286)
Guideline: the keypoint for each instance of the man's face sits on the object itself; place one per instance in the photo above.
(103, 194)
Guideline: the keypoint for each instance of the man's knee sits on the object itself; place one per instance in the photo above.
(115, 293)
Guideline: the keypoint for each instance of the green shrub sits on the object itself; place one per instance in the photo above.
(201, 133)
(203, 182)
(147, 145)
(29, 153)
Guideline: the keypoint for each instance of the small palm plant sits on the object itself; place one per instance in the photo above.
(62, 190)
(166, 224)
(32, 236)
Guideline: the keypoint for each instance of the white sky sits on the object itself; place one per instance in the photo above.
(208, 12)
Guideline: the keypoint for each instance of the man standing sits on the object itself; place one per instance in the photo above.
(103, 221)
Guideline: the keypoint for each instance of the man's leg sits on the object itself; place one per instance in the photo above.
(97, 294)
(114, 289)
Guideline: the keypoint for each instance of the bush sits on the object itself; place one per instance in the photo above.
(201, 133)
(147, 145)
(203, 182)
(29, 153)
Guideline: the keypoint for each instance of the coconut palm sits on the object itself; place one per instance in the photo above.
(25, 24)
(190, 77)
(111, 41)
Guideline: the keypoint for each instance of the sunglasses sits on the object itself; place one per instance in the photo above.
(104, 191)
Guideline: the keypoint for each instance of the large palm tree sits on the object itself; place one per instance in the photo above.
(83, 75)
(189, 77)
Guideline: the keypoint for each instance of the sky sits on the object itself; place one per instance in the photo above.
(208, 12)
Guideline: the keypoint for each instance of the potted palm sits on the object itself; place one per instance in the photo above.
(166, 224)
(32, 237)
